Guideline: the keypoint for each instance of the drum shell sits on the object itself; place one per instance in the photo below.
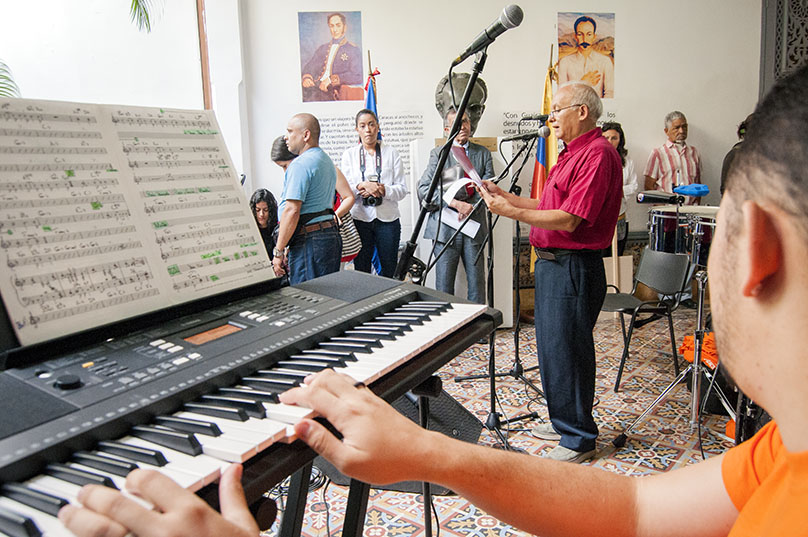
(691, 222)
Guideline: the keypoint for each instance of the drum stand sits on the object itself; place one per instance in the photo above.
(696, 369)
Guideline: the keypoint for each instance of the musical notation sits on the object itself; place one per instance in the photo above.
(55, 238)
(35, 133)
(187, 163)
(49, 221)
(96, 201)
(146, 149)
(95, 305)
(107, 212)
(57, 167)
(25, 150)
(40, 117)
(185, 237)
(157, 208)
(170, 177)
(87, 251)
(57, 184)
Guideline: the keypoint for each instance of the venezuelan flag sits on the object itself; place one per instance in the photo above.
(547, 148)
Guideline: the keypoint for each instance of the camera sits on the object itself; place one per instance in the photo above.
(372, 201)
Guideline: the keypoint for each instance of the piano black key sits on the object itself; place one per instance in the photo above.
(16, 525)
(326, 360)
(35, 499)
(276, 374)
(437, 304)
(217, 411)
(133, 453)
(388, 324)
(269, 384)
(345, 356)
(364, 333)
(422, 314)
(361, 341)
(188, 425)
(412, 320)
(350, 346)
(162, 436)
(76, 476)
(105, 464)
(300, 365)
(250, 393)
(252, 408)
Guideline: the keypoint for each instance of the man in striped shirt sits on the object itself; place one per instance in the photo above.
(674, 163)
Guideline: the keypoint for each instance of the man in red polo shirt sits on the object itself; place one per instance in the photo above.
(573, 221)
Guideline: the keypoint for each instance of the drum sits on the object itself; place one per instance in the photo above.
(694, 223)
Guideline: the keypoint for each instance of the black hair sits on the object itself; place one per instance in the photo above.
(280, 151)
(362, 113)
(584, 18)
(340, 15)
(262, 194)
(775, 148)
(621, 145)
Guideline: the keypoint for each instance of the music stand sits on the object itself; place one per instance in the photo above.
(494, 422)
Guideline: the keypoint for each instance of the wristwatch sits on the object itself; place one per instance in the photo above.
(277, 252)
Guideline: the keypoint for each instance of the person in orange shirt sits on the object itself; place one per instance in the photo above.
(759, 292)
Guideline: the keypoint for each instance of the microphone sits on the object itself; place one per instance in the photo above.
(534, 117)
(657, 196)
(543, 132)
(511, 17)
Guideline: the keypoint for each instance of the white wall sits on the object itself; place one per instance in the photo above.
(669, 56)
(90, 51)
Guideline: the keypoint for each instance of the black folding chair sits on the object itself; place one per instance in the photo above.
(665, 274)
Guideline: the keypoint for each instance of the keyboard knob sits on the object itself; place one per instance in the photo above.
(68, 382)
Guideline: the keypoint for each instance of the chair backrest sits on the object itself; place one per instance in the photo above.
(662, 271)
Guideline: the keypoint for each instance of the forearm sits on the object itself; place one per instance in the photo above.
(552, 220)
(537, 495)
(650, 183)
(287, 224)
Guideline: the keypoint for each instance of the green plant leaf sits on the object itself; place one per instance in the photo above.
(8, 88)
(139, 12)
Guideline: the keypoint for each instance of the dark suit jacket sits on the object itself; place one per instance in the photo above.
(480, 158)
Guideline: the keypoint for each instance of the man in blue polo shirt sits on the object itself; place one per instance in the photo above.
(309, 243)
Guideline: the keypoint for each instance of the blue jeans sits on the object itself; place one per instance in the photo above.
(384, 237)
(569, 295)
(446, 267)
(314, 254)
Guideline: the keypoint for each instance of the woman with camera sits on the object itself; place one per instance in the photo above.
(376, 175)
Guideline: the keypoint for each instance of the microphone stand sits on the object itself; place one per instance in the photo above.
(494, 422)
(408, 263)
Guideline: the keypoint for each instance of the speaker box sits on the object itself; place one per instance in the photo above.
(445, 415)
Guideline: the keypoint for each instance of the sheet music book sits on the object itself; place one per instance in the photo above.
(107, 212)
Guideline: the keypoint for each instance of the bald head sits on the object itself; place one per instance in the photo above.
(302, 133)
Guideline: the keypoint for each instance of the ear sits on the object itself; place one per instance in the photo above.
(765, 249)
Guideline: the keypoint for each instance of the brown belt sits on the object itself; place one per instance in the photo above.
(311, 228)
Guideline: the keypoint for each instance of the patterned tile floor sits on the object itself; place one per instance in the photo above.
(663, 441)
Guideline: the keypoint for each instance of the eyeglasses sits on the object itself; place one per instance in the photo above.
(554, 113)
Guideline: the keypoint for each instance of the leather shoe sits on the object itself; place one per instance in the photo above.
(545, 431)
(689, 304)
(560, 453)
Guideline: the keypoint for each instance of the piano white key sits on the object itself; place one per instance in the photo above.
(206, 468)
(184, 479)
(119, 481)
(287, 413)
(48, 525)
(57, 487)
(264, 432)
(227, 449)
